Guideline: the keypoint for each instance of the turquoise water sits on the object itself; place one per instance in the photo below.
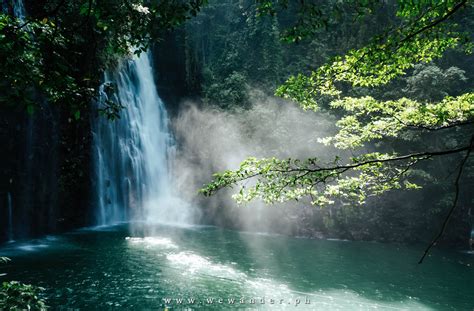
(127, 268)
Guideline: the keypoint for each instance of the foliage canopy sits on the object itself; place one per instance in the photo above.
(424, 31)
(58, 52)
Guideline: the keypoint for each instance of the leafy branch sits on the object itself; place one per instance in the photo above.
(273, 176)
(383, 59)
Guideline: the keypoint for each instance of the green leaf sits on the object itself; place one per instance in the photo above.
(30, 109)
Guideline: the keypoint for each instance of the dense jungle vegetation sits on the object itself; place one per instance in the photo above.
(396, 75)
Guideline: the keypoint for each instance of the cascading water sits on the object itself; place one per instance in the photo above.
(19, 9)
(131, 153)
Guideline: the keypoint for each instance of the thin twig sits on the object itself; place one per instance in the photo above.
(435, 22)
(453, 206)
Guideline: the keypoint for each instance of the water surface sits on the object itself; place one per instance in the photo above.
(112, 268)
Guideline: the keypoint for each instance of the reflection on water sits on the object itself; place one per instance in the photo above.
(13, 248)
(152, 241)
(208, 268)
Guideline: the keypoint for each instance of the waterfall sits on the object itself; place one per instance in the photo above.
(19, 9)
(10, 217)
(131, 154)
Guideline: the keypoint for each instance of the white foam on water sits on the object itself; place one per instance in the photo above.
(275, 294)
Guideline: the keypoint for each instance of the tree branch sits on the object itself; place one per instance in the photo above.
(338, 169)
(435, 22)
(427, 154)
(399, 43)
(453, 206)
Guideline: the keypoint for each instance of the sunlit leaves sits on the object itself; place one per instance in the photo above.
(368, 119)
(423, 34)
(422, 38)
(370, 66)
(354, 180)
(273, 180)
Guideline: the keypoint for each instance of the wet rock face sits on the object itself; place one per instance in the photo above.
(9, 133)
(28, 171)
(40, 151)
(174, 78)
(75, 183)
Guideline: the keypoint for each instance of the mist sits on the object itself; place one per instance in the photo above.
(212, 140)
